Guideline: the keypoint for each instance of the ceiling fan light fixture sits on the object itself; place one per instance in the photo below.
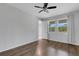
(44, 8)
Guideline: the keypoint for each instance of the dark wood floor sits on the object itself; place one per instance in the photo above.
(62, 49)
(25, 50)
(43, 48)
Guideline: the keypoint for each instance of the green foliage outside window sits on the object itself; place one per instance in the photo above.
(51, 29)
(63, 28)
(52, 26)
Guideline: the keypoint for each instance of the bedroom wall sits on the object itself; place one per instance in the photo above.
(76, 26)
(72, 36)
(16, 27)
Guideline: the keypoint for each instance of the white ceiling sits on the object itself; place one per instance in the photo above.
(61, 8)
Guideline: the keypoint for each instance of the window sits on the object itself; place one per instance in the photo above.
(62, 26)
(52, 26)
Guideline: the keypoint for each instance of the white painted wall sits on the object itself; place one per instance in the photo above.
(72, 36)
(39, 29)
(76, 26)
(42, 34)
(44, 30)
(16, 27)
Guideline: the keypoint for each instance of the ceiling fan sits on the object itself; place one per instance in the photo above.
(45, 8)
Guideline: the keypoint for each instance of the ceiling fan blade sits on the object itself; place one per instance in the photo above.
(40, 11)
(45, 5)
(52, 7)
(37, 6)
